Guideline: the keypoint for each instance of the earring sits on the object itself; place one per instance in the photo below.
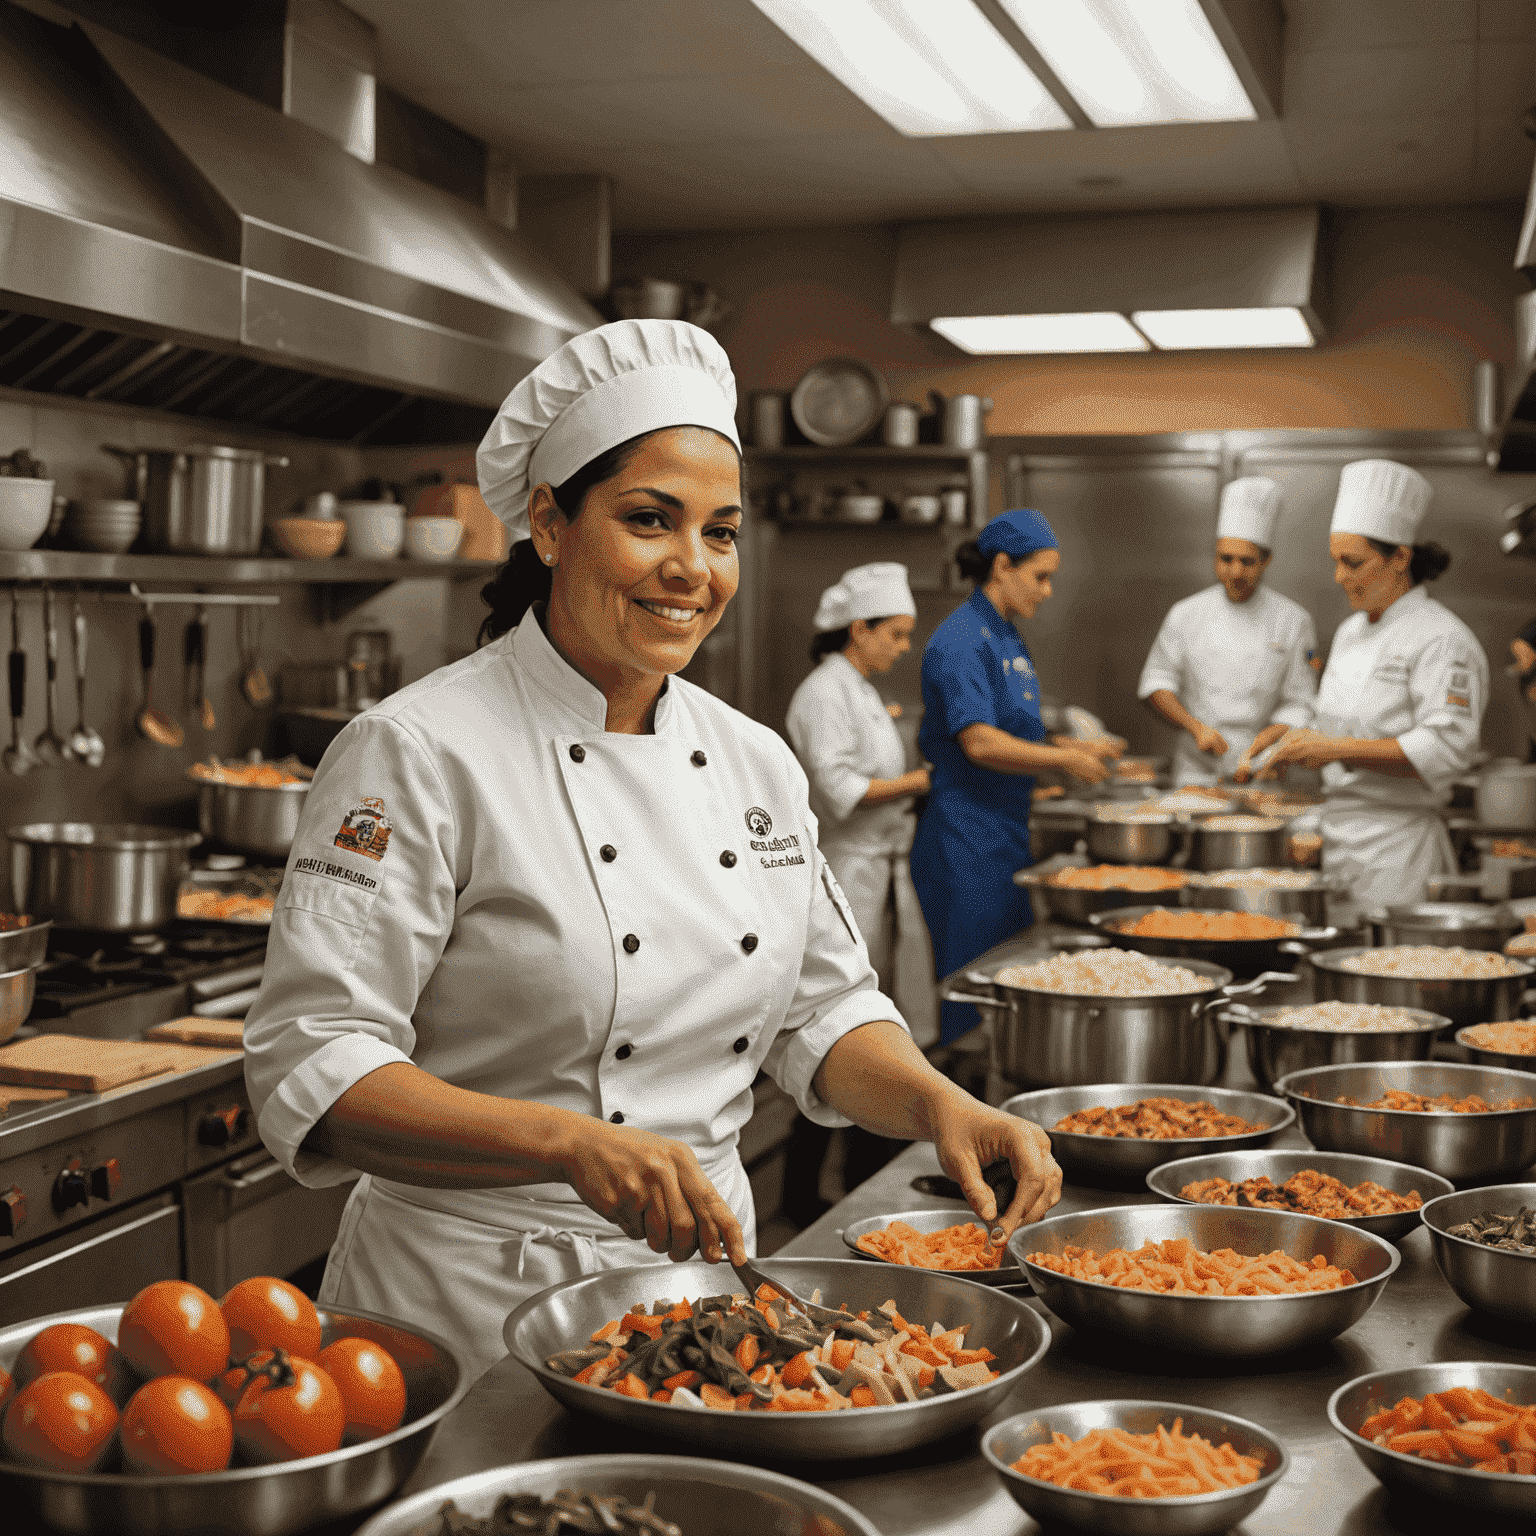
(549, 559)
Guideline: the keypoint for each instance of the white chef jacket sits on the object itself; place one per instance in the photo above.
(845, 738)
(1235, 666)
(1417, 674)
(487, 883)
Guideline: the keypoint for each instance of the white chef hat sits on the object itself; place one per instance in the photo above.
(877, 591)
(599, 390)
(1249, 510)
(1381, 500)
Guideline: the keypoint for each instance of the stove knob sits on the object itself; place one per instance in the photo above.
(221, 1126)
(106, 1179)
(13, 1211)
(70, 1188)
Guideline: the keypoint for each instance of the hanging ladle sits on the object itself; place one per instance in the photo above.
(85, 743)
(51, 748)
(18, 758)
(205, 705)
(153, 723)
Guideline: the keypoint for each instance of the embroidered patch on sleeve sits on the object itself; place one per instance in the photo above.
(365, 829)
(1458, 700)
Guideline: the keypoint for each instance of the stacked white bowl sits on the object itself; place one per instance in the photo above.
(106, 525)
(375, 529)
(25, 507)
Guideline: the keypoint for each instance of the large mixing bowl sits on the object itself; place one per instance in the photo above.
(252, 818)
(1258, 848)
(1075, 904)
(1275, 1049)
(1497, 1281)
(1201, 1514)
(1233, 1327)
(1129, 1159)
(246, 1501)
(1457, 1147)
(704, 1498)
(1243, 957)
(1459, 999)
(1169, 1178)
(568, 1314)
(1054, 1039)
(929, 1221)
(17, 990)
(1306, 904)
(1151, 840)
(1499, 1493)
(25, 946)
(1455, 924)
(1483, 1057)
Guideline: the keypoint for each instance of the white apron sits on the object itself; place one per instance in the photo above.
(1235, 666)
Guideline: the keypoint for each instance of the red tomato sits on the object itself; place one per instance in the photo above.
(371, 1386)
(172, 1328)
(77, 1349)
(175, 1424)
(264, 1313)
(61, 1421)
(289, 1408)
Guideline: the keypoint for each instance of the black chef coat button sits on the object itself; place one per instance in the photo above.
(749, 942)
(631, 943)
(578, 753)
(609, 853)
(728, 859)
(617, 1117)
(623, 1052)
(740, 1045)
(698, 760)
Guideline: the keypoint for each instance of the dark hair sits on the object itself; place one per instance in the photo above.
(1429, 563)
(525, 580)
(974, 565)
(829, 641)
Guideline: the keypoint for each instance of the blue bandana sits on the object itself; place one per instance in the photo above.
(1017, 534)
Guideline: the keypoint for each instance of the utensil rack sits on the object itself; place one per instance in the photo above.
(192, 599)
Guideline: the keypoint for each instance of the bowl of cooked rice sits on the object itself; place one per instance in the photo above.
(1283, 1040)
(1505, 1044)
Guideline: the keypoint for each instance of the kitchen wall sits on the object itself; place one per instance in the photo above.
(431, 621)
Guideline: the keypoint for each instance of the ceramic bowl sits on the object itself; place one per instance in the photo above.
(433, 538)
(25, 507)
(308, 538)
(375, 529)
(108, 526)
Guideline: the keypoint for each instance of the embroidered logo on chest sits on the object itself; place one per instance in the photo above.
(365, 829)
(786, 848)
(759, 822)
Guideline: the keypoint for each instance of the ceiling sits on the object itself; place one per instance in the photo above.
(707, 117)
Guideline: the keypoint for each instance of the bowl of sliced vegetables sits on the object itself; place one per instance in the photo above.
(935, 1240)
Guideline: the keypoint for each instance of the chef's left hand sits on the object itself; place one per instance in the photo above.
(1305, 748)
(968, 1135)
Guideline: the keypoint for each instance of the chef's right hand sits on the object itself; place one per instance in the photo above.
(653, 1189)
(1082, 764)
(1210, 740)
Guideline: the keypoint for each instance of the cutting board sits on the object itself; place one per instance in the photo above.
(23, 1098)
(93, 1066)
(195, 1031)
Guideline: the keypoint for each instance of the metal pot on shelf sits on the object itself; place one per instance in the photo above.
(113, 877)
(963, 419)
(204, 500)
(252, 818)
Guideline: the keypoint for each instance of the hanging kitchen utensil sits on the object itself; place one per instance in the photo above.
(205, 707)
(253, 681)
(51, 748)
(18, 758)
(153, 723)
(85, 743)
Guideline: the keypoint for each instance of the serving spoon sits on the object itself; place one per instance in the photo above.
(153, 723)
(85, 744)
(51, 748)
(18, 758)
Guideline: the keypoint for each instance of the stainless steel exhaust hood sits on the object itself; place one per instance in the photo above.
(168, 242)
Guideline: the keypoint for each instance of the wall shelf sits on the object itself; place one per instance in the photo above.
(922, 453)
(70, 565)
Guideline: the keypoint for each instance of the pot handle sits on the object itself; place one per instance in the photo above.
(1248, 988)
(949, 995)
(274, 461)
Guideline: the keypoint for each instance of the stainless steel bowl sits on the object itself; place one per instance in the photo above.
(113, 877)
(929, 1221)
(1458, 1147)
(17, 989)
(1261, 848)
(1483, 1057)
(246, 1501)
(1111, 841)
(1274, 1050)
(1457, 924)
(1132, 1158)
(569, 1313)
(1492, 1280)
(253, 818)
(1201, 1514)
(705, 1498)
(1306, 904)
(1460, 1000)
(1168, 1179)
(1233, 1327)
(1499, 1493)
(1244, 957)
(24, 947)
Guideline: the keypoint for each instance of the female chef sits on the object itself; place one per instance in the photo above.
(551, 908)
(1401, 699)
(983, 734)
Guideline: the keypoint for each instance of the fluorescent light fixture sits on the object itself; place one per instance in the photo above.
(1136, 61)
(1176, 330)
(1103, 332)
(928, 67)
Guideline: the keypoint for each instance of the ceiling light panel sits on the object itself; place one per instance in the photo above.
(1177, 330)
(1130, 62)
(928, 67)
(1103, 332)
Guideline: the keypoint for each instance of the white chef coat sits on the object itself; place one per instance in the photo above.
(1235, 666)
(487, 883)
(1417, 674)
(844, 737)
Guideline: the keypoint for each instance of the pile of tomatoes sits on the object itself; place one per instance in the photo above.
(198, 1381)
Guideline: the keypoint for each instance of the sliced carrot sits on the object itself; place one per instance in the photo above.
(842, 1354)
(794, 1402)
(606, 1332)
(797, 1371)
(744, 1401)
(971, 1356)
(747, 1351)
(679, 1314)
(862, 1397)
(716, 1397)
(637, 1322)
(682, 1379)
(763, 1375)
(630, 1385)
(662, 1395)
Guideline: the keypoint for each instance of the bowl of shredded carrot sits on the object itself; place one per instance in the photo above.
(933, 1240)
(1128, 1468)
(1209, 1280)
(1458, 1431)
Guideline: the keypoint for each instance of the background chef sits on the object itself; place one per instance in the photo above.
(1236, 657)
(533, 1014)
(1401, 701)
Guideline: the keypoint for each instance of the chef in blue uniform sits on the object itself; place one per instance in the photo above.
(983, 734)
